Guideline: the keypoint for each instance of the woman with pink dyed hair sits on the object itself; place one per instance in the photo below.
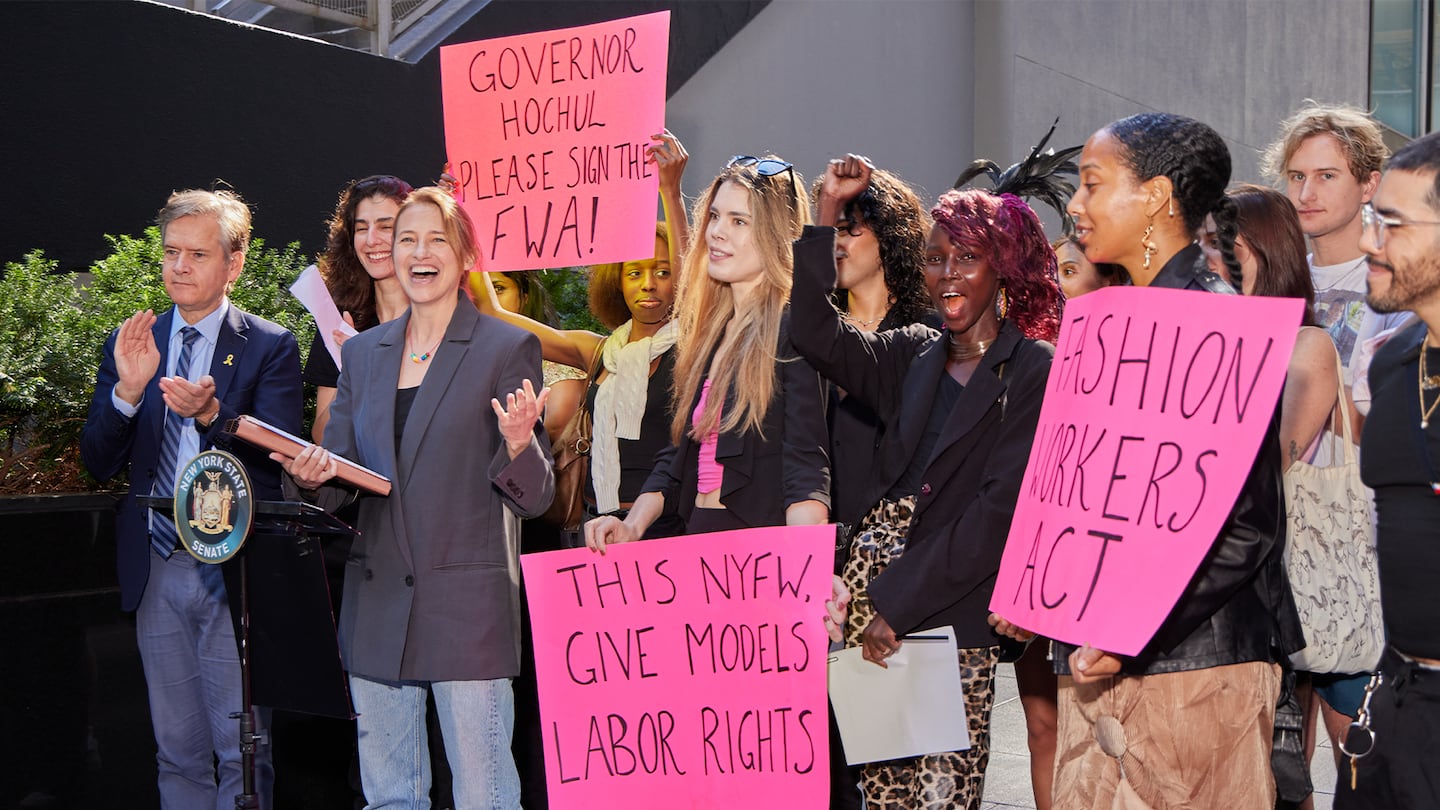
(966, 400)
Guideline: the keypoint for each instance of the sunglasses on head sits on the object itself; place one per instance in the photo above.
(765, 167)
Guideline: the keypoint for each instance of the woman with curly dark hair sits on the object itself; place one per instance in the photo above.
(961, 406)
(359, 273)
(880, 285)
(1197, 704)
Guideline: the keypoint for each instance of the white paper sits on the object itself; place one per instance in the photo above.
(913, 708)
(311, 291)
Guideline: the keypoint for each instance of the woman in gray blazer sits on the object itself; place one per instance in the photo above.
(431, 588)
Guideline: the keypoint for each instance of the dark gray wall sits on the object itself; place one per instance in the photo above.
(109, 106)
(814, 79)
(1239, 65)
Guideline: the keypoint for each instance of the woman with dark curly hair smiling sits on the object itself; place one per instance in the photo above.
(965, 402)
(359, 273)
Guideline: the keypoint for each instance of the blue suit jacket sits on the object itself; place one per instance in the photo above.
(257, 372)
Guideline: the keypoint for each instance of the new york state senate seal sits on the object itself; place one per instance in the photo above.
(213, 509)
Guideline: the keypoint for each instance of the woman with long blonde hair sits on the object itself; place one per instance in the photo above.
(748, 434)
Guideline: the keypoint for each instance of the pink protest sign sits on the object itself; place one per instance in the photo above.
(687, 672)
(1156, 405)
(546, 134)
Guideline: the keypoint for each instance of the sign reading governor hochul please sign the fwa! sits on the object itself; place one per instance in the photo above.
(687, 672)
(546, 135)
(1156, 405)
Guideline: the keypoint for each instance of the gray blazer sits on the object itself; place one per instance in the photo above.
(432, 582)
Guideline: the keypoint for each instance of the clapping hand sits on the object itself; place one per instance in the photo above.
(137, 358)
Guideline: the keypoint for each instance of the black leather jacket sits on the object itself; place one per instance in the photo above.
(1238, 607)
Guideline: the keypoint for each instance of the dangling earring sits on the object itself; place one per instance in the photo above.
(1150, 247)
(1172, 207)
(1002, 304)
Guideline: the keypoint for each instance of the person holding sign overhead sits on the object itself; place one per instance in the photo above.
(1197, 705)
(748, 439)
(431, 595)
(965, 400)
(633, 367)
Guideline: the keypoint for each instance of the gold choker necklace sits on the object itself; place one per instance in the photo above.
(960, 352)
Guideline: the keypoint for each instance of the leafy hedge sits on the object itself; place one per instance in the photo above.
(52, 327)
(54, 323)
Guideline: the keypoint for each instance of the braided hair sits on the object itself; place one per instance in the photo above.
(1194, 158)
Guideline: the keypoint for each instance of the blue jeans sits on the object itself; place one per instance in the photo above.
(192, 674)
(477, 719)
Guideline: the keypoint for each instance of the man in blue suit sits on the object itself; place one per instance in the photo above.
(165, 389)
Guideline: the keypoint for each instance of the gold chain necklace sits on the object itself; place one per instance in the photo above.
(1426, 383)
(864, 323)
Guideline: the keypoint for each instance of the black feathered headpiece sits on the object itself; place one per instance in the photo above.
(1041, 175)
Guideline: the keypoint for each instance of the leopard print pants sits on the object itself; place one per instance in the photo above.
(947, 780)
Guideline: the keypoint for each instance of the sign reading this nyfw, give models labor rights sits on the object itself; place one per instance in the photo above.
(1156, 405)
(687, 672)
(546, 135)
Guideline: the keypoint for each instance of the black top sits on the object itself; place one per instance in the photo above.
(945, 398)
(404, 399)
(765, 472)
(969, 483)
(1399, 462)
(856, 433)
(637, 456)
(320, 368)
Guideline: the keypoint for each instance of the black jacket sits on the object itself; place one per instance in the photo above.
(762, 477)
(970, 485)
(1238, 607)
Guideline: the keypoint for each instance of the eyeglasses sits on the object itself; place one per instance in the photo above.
(765, 167)
(1377, 223)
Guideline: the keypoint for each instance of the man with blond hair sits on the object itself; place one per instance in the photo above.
(1329, 158)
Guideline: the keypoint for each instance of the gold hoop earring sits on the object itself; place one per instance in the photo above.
(1150, 247)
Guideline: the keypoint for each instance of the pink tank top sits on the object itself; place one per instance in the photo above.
(710, 473)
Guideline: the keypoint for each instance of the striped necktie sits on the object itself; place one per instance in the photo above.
(162, 530)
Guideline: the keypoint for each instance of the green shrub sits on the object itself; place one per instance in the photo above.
(47, 352)
(569, 290)
(52, 329)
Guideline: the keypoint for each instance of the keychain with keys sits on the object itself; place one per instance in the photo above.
(1362, 723)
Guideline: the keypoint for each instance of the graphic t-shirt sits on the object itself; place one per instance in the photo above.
(1341, 311)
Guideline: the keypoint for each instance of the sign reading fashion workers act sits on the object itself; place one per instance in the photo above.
(1156, 405)
(546, 135)
(692, 667)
